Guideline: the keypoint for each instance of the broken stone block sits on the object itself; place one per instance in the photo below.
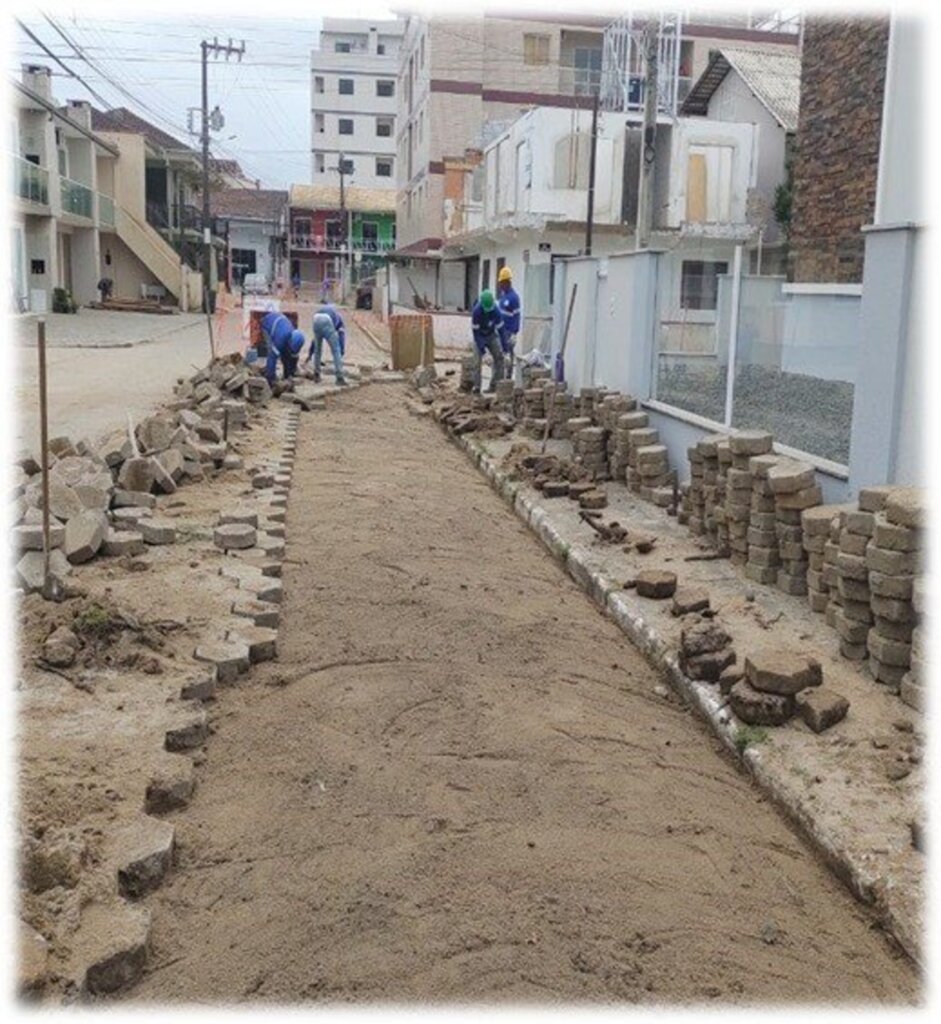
(200, 687)
(61, 447)
(191, 730)
(109, 950)
(122, 542)
(234, 535)
(262, 480)
(655, 583)
(171, 461)
(262, 643)
(821, 708)
(137, 474)
(132, 499)
(154, 433)
(755, 707)
(163, 481)
(594, 498)
(245, 516)
(171, 787)
(207, 430)
(61, 643)
(129, 517)
(30, 568)
(157, 531)
(708, 666)
(30, 537)
(93, 497)
(262, 613)
(64, 503)
(32, 961)
(729, 676)
(780, 672)
(231, 462)
(230, 658)
(84, 535)
(144, 854)
(703, 638)
(907, 506)
(873, 499)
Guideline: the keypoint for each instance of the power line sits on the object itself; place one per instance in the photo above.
(68, 71)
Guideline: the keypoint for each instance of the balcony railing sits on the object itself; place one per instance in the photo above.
(105, 210)
(320, 243)
(77, 199)
(31, 181)
(172, 219)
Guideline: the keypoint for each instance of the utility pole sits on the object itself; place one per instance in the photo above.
(592, 156)
(216, 48)
(344, 234)
(651, 42)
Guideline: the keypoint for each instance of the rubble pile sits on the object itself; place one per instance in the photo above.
(101, 500)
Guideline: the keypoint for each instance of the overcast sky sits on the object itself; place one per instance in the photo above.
(265, 98)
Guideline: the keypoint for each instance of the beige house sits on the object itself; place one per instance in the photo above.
(80, 209)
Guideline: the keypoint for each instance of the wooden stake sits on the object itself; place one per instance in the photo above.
(47, 586)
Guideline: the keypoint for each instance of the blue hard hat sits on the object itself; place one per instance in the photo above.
(297, 341)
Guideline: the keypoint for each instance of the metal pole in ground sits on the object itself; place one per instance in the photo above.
(44, 457)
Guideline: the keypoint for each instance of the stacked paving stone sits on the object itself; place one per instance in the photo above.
(560, 407)
(682, 515)
(816, 524)
(642, 438)
(504, 397)
(738, 489)
(619, 442)
(612, 407)
(763, 556)
(720, 515)
(652, 468)
(586, 402)
(708, 450)
(590, 453)
(894, 520)
(912, 687)
(795, 489)
(831, 572)
(695, 511)
(468, 369)
(853, 617)
(532, 375)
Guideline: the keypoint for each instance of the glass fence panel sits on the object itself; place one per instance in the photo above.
(31, 181)
(106, 210)
(796, 363)
(76, 198)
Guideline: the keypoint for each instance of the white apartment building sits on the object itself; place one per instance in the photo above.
(353, 102)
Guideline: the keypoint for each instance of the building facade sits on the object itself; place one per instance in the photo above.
(254, 222)
(80, 210)
(353, 102)
(463, 82)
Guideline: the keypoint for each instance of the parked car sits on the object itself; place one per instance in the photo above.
(256, 284)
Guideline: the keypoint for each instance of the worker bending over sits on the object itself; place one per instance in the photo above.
(487, 325)
(284, 343)
(329, 327)
(509, 302)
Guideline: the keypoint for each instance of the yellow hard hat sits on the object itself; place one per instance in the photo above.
(504, 275)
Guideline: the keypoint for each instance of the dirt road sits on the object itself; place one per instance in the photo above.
(459, 782)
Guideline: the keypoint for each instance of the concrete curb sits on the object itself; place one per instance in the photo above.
(893, 907)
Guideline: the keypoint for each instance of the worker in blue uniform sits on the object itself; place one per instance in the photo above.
(509, 302)
(284, 344)
(329, 327)
(487, 327)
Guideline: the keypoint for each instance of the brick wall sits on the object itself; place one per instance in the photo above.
(837, 160)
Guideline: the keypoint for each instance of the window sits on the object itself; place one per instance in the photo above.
(334, 233)
(346, 125)
(535, 48)
(339, 47)
(381, 49)
(318, 83)
(383, 167)
(301, 227)
(318, 163)
(370, 236)
(421, 53)
(485, 275)
(384, 127)
(699, 285)
(319, 124)
(346, 165)
(385, 87)
(63, 163)
(587, 69)
(709, 185)
(244, 261)
(346, 86)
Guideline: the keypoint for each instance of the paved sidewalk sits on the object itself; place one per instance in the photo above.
(96, 328)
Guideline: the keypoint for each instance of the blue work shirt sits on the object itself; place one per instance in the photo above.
(485, 324)
(509, 303)
(338, 326)
(278, 330)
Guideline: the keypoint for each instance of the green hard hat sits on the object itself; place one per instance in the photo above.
(487, 300)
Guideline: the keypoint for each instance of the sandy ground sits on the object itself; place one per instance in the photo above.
(461, 783)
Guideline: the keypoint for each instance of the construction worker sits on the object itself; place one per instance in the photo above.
(509, 303)
(284, 343)
(329, 327)
(487, 325)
